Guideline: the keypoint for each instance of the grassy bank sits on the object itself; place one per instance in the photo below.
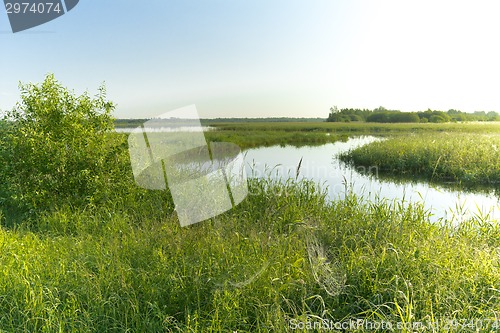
(264, 138)
(283, 257)
(362, 128)
(248, 135)
(468, 158)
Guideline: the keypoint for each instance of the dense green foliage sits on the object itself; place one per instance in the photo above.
(382, 115)
(469, 158)
(393, 117)
(60, 150)
(56, 148)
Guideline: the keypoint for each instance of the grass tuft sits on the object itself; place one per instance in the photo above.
(467, 158)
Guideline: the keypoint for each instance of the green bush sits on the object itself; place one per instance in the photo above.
(57, 149)
(437, 119)
(355, 117)
(393, 117)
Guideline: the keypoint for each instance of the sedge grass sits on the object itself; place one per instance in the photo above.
(467, 158)
(249, 135)
(284, 256)
(362, 128)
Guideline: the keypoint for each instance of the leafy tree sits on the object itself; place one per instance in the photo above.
(355, 117)
(435, 118)
(334, 114)
(383, 115)
(492, 116)
(378, 117)
(393, 117)
(380, 109)
(57, 148)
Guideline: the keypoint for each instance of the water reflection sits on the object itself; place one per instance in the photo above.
(321, 165)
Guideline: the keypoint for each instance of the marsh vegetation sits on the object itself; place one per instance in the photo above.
(92, 252)
(467, 158)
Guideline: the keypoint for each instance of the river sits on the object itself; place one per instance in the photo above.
(321, 165)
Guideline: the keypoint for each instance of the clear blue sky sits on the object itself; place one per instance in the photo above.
(235, 58)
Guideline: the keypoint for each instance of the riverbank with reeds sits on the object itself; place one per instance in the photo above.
(466, 158)
(285, 256)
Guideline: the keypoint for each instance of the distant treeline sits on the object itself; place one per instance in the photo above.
(262, 120)
(129, 123)
(378, 115)
(382, 115)
(132, 123)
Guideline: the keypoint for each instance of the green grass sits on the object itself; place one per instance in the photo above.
(257, 134)
(249, 135)
(259, 138)
(467, 158)
(361, 128)
(282, 257)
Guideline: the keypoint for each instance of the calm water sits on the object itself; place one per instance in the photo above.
(321, 165)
